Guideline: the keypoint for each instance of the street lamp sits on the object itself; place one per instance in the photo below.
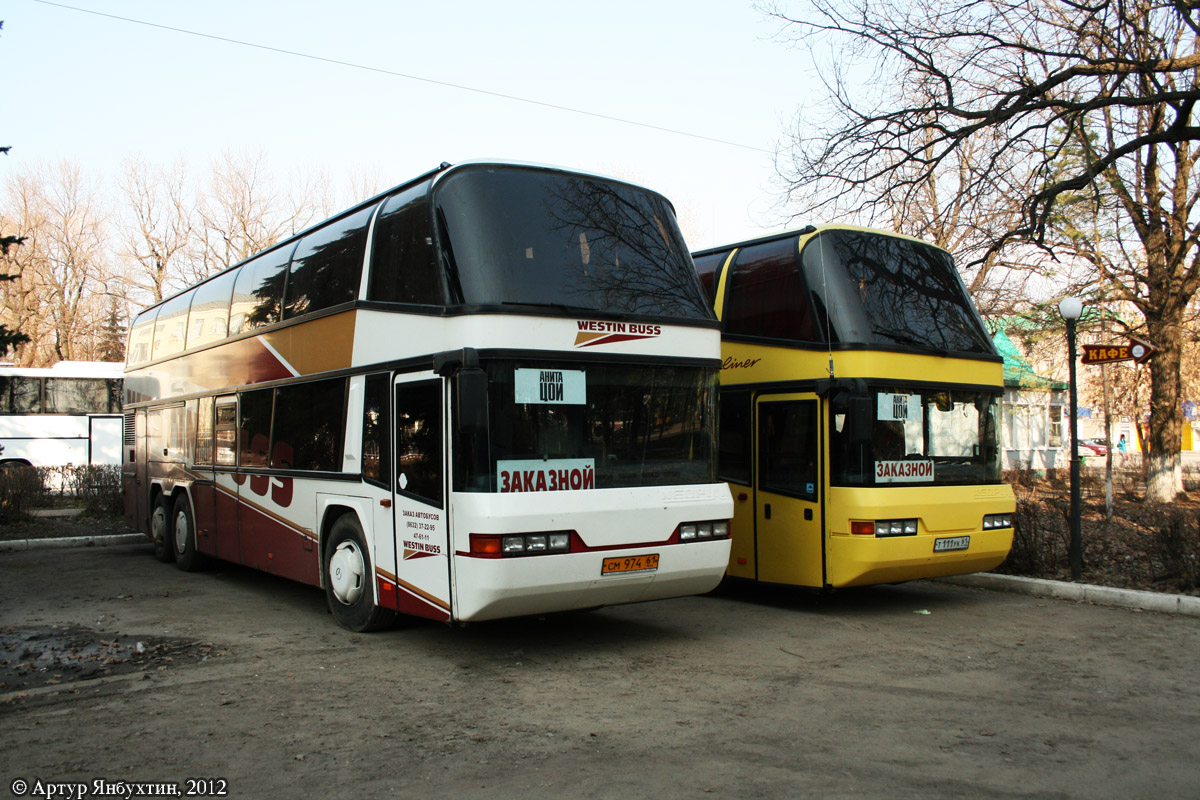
(1071, 308)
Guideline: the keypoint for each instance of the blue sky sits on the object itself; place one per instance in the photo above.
(94, 90)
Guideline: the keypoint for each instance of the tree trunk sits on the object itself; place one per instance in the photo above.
(1164, 473)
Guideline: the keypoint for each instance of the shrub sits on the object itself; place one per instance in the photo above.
(1038, 542)
(98, 487)
(20, 492)
(1177, 550)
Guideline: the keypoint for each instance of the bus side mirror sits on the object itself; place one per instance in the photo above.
(471, 385)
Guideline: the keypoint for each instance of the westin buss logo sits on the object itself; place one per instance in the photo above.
(592, 333)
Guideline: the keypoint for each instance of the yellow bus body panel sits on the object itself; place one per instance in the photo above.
(941, 511)
(763, 364)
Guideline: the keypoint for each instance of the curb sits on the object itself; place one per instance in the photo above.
(1081, 592)
(72, 541)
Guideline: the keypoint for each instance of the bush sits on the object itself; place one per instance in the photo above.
(21, 491)
(1039, 542)
(1177, 550)
(98, 487)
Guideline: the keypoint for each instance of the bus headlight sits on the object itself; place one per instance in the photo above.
(993, 522)
(702, 531)
(494, 545)
(884, 528)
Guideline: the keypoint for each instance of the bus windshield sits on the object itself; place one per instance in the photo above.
(887, 290)
(539, 238)
(597, 426)
(911, 437)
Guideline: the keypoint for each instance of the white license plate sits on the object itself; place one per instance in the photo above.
(951, 543)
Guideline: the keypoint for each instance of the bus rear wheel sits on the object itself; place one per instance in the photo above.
(348, 576)
(183, 537)
(160, 517)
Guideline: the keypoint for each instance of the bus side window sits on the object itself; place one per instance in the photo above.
(788, 447)
(204, 432)
(419, 440)
(707, 268)
(767, 295)
(225, 430)
(209, 318)
(258, 291)
(327, 265)
(733, 465)
(376, 452)
(402, 262)
(255, 435)
(170, 326)
(308, 429)
(26, 395)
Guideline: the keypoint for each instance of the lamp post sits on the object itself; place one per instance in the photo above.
(1071, 308)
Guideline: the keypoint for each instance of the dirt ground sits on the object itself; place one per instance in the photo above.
(922, 690)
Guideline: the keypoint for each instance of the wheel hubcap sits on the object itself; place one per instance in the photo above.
(346, 570)
(158, 524)
(181, 532)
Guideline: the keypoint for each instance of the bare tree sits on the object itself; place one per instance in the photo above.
(1063, 97)
(58, 297)
(157, 228)
(244, 211)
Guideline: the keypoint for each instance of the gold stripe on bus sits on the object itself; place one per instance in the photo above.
(421, 593)
(307, 534)
(319, 345)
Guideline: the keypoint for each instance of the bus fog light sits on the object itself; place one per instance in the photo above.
(687, 532)
(560, 541)
(514, 544)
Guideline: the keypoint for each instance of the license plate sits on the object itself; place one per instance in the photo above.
(626, 564)
(951, 543)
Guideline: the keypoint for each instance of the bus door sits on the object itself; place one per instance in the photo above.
(789, 546)
(421, 524)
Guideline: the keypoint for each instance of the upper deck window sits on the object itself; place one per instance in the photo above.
(403, 267)
(327, 265)
(515, 236)
(887, 290)
(258, 293)
(767, 295)
(707, 267)
(209, 319)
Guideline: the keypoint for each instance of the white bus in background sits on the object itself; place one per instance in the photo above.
(67, 414)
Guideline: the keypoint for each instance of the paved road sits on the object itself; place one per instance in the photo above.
(923, 690)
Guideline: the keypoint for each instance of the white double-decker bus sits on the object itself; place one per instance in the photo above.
(65, 415)
(489, 392)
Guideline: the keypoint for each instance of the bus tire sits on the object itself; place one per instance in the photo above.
(160, 520)
(183, 536)
(347, 577)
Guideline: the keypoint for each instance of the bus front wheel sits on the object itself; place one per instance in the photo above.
(160, 517)
(183, 537)
(348, 576)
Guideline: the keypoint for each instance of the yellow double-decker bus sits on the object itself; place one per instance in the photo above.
(859, 413)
